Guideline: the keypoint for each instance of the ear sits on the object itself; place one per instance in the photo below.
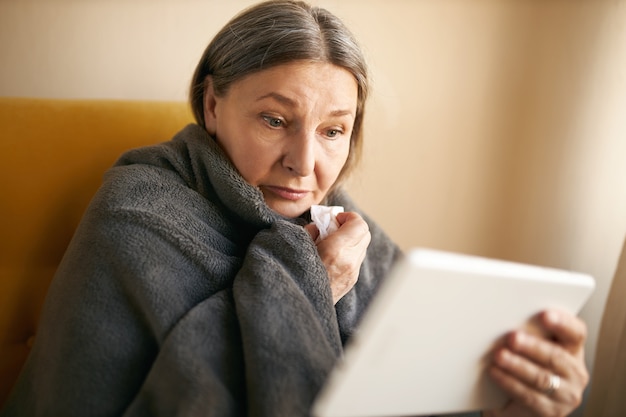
(209, 103)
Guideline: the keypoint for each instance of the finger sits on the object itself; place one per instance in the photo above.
(313, 231)
(532, 375)
(345, 216)
(353, 233)
(528, 397)
(534, 361)
(545, 353)
(352, 223)
(536, 387)
(349, 217)
(568, 329)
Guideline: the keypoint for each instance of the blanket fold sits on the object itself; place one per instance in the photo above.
(283, 288)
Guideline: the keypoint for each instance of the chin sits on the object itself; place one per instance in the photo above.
(290, 210)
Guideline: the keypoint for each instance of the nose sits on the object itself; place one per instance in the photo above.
(299, 156)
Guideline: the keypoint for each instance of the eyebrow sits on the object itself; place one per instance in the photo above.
(292, 103)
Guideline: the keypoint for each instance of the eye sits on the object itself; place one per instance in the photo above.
(333, 133)
(274, 122)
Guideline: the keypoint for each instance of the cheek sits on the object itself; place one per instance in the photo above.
(254, 162)
(238, 140)
(332, 166)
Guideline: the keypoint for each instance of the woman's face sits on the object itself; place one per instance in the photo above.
(287, 130)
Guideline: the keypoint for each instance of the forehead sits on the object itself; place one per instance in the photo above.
(299, 82)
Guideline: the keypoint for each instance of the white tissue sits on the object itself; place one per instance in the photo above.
(325, 218)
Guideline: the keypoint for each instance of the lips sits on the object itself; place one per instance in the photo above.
(286, 193)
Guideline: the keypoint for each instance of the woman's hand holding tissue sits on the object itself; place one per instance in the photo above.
(343, 251)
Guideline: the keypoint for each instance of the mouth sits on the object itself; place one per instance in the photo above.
(286, 193)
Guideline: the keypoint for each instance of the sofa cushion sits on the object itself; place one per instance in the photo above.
(53, 154)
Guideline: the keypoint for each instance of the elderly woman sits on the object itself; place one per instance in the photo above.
(196, 283)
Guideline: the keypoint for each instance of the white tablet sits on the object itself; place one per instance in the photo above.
(421, 347)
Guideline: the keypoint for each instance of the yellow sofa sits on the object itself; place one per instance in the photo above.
(53, 154)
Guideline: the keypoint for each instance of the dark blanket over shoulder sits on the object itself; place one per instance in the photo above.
(182, 293)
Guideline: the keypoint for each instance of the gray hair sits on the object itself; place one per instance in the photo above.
(277, 32)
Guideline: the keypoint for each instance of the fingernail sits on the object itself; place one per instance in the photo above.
(520, 338)
(503, 358)
(552, 317)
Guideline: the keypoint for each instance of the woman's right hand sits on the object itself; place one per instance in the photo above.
(343, 251)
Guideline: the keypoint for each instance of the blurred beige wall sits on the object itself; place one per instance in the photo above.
(495, 128)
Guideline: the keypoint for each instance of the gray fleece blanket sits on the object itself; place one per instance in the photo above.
(183, 294)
